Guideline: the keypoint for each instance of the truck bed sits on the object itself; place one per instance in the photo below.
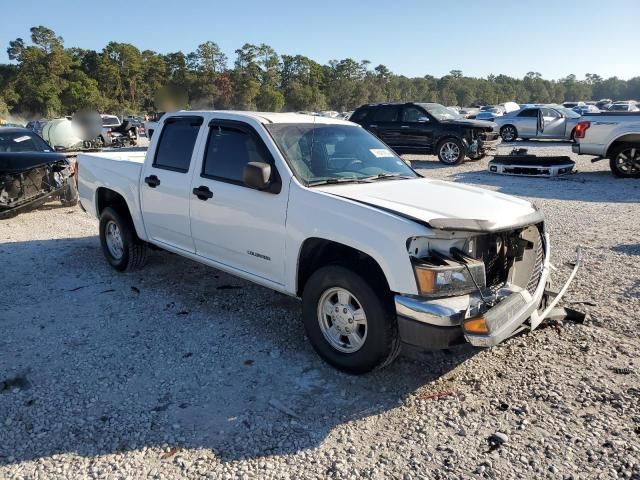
(115, 170)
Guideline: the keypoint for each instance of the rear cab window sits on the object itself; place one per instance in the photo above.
(176, 143)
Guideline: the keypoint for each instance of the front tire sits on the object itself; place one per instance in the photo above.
(509, 133)
(120, 244)
(625, 161)
(349, 323)
(451, 151)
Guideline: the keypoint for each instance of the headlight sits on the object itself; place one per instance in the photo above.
(440, 276)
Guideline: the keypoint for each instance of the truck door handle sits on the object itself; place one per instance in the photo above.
(203, 193)
(373, 126)
(404, 126)
(152, 181)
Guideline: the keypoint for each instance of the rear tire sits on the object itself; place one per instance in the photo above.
(338, 305)
(622, 158)
(120, 244)
(451, 151)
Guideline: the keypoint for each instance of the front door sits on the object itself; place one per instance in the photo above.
(164, 190)
(231, 223)
(416, 129)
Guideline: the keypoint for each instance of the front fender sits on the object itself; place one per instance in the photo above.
(380, 234)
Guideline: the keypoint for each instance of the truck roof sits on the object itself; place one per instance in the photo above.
(269, 117)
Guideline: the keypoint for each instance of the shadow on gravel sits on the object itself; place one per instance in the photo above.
(176, 355)
(598, 186)
(628, 249)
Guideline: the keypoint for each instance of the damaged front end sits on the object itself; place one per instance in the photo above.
(478, 286)
(482, 141)
(28, 180)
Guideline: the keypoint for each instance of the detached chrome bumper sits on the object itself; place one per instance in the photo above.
(515, 306)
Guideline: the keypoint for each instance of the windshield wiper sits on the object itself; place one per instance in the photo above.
(386, 176)
(330, 181)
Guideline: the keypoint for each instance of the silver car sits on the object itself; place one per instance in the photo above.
(548, 121)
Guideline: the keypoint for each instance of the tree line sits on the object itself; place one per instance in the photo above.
(47, 79)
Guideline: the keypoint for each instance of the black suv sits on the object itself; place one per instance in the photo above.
(425, 128)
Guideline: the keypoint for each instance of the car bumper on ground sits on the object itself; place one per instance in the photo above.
(440, 323)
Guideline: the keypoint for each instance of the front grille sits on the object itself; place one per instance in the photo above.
(515, 257)
(534, 280)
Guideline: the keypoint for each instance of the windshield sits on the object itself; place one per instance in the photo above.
(22, 142)
(440, 112)
(325, 152)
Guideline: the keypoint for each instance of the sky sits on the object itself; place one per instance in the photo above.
(411, 37)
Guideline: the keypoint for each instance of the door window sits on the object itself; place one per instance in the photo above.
(412, 114)
(229, 149)
(176, 143)
(529, 112)
(386, 113)
(550, 113)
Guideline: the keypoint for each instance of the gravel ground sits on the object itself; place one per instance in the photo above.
(182, 371)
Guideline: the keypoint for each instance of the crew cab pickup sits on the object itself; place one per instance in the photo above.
(612, 135)
(320, 209)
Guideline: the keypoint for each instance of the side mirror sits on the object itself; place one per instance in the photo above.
(257, 175)
(59, 148)
(423, 119)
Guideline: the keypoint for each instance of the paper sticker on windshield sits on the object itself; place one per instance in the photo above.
(22, 139)
(381, 152)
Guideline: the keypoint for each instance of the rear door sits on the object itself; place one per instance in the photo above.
(416, 129)
(384, 122)
(231, 223)
(554, 124)
(166, 180)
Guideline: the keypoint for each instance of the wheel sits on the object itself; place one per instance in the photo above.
(350, 324)
(120, 245)
(69, 197)
(572, 137)
(509, 133)
(624, 160)
(477, 156)
(451, 151)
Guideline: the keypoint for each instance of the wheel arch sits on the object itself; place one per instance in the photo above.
(626, 138)
(107, 197)
(316, 252)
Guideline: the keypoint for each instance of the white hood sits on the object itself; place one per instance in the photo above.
(445, 205)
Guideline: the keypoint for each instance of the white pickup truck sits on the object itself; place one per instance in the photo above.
(320, 209)
(612, 135)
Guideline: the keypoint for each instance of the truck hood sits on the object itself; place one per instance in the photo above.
(441, 205)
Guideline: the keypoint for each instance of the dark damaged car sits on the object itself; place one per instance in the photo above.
(429, 128)
(31, 173)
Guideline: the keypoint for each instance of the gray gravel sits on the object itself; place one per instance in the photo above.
(181, 371)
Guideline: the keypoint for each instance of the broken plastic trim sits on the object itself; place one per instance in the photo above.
(485, 226)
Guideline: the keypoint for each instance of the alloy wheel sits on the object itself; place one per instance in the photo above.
(450, 152)
(627, 162)
(342, 320)
(113, 238)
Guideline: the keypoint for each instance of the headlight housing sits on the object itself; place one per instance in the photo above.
(442, 276)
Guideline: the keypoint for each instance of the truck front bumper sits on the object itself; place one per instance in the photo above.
(436, 324)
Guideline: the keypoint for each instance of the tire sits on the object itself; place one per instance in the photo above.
(509, 133)
(620, 160)
(476, 157)
(132, 251)
(447, 149)
(379, 341)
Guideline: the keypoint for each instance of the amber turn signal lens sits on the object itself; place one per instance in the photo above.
(476, 325)
(426, 280)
